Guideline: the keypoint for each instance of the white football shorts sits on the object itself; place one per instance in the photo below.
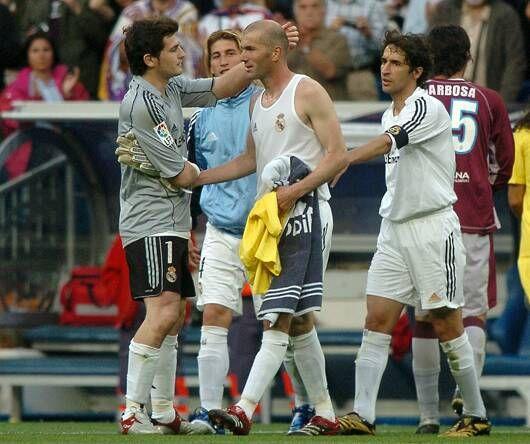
(420, 262)
(221, 274)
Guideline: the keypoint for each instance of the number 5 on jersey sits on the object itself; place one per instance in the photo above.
(464, 124)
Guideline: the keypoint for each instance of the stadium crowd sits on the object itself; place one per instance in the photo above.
(339, 47)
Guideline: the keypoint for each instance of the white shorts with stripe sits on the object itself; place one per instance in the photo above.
(221, 273)
(420, 262)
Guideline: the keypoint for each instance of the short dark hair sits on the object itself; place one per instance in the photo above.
(450, 48)
(270, 33)
(417, 54)
(223, 34)
(146, 37)
(41, 35)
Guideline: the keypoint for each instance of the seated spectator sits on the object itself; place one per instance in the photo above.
(115, 75)
(233, 14)
(498, 58)
(363, 23)
(43, 79)
(322, 53)
(79, 29)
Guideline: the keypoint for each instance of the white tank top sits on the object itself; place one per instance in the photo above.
(278, 130)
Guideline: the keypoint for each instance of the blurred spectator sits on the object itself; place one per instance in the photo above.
(119, 5)
(497, 46)
(9, 44)
(523, 9)
(322, 53)
(204, 6)
(281, 10)
(396, 11)
(43, 79)
(363, 23)
(79, 29)
(417, 16)
(115, 75)
(233, 14)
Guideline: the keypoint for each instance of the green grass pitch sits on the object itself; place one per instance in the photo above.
(87, 432)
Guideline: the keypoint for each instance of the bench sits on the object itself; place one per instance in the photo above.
(503, 372)
(83, 370)
(67, 371)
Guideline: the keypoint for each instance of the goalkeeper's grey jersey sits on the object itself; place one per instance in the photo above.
(147, 208)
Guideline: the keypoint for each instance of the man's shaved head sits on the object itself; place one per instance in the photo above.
(269, 33)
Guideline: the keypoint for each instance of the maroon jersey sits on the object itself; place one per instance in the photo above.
(484, 148)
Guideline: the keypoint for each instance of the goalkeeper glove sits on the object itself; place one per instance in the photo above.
(131, 154)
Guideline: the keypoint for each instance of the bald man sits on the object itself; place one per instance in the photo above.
(309, 130)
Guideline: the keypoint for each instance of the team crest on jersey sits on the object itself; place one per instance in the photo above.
(280, 122)
(163, 134)
(171, 274)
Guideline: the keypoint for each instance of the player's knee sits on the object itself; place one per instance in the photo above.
(218, 315)
(302, 324)
(447, 323)
(379, 322)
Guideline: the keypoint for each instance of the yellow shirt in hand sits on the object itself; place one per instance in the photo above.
(521, 176)
(259, 246)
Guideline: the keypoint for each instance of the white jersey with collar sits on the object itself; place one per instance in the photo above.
(420, 167)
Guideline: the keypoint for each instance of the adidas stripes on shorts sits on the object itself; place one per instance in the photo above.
(420, 262)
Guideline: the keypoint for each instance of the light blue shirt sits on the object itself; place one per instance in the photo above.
(218, 135)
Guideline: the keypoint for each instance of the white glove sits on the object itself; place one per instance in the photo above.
(131, 154)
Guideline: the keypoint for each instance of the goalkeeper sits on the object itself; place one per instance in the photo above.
(155, 211)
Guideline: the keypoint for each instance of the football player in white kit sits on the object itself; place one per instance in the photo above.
(293, 116)
(420, 256)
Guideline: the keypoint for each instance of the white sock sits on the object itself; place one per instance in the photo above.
(300, 394)
(477, 339)
(369, 367)
(460, 358)
(163, 389)
(311, 365)
(141, 371)
(426, 369)
(213, 366)
(265, 366)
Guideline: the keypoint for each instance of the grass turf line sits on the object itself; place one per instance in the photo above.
(86, 432)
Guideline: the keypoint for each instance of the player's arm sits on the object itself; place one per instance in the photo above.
(313, 103)
(151, 130)
(502, 150)
(240, 166)
(517, 184)
(418, 121)
(370, 150)
(516, 198)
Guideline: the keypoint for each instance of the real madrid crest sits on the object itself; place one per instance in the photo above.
(280, 122)
(171, 274)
